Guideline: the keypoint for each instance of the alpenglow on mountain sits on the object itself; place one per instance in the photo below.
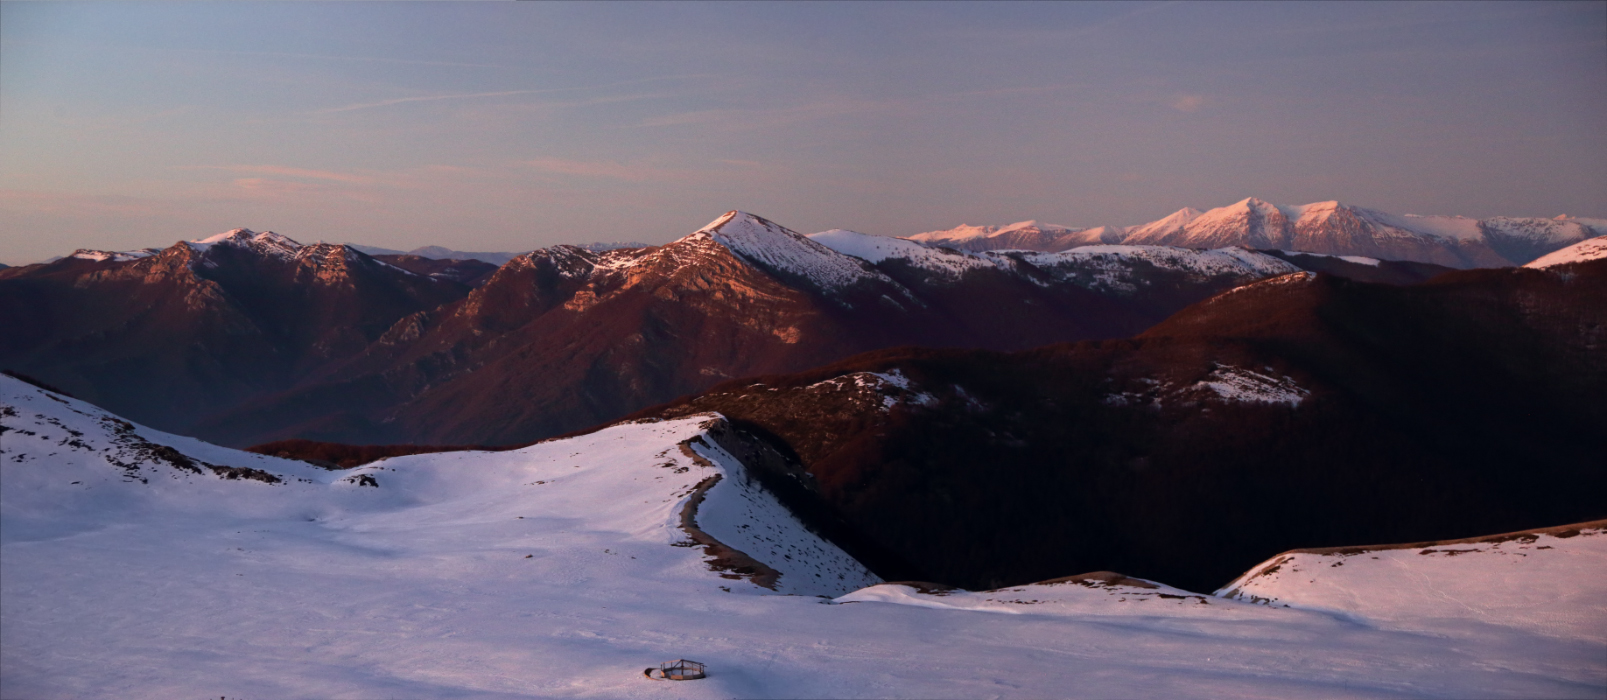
(261, 338)
(1330, 228)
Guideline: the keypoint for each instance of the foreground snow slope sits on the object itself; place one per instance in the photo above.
(134, 567)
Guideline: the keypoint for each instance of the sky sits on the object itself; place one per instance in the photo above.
(512, 126)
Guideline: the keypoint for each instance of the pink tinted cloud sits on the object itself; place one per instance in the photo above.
(1187, 103)
(304, 173)
(613, 170)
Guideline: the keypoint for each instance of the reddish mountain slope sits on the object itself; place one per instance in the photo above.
(168, 336)
(562, 338)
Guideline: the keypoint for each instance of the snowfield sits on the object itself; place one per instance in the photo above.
(1114, 267)
(138, 564)
(951, 264)
(1537, 581)
(1585, 250)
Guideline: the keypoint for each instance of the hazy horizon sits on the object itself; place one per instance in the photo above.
(512, 126)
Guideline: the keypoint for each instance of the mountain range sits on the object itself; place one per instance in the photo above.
(203, 325)
(564, 338)
(1304, 410)
(257, 338)
(435, 252)
(1324, 227)
(825, 464)
(555, 340)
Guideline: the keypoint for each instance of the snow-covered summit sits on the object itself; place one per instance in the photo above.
(266, 242)
(1159, 229)
(878, 249)
(770, 245)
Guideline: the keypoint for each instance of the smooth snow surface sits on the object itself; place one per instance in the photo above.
(1588, 249)
(1547, 585)
(562, 570)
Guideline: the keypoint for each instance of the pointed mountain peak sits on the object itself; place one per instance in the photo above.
(1178, 218)
(736, 219)
(1254, 203)
(1247, 207)
(778, 249)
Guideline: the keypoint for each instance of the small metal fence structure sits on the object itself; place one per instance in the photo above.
(677, 670)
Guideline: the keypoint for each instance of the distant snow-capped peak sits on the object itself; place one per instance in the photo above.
(113, 255)
(770, 245)
(266, 242)
(965, 232)
(1328, 227)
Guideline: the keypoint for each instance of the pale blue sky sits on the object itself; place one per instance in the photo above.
(501, 126)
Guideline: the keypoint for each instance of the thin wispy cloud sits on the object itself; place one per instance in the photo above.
(431, 98)
(349, 178)
(1187, 103)
(510, 93)
(613, 170)
(324, 57)
(775, 116)
(835, 107)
